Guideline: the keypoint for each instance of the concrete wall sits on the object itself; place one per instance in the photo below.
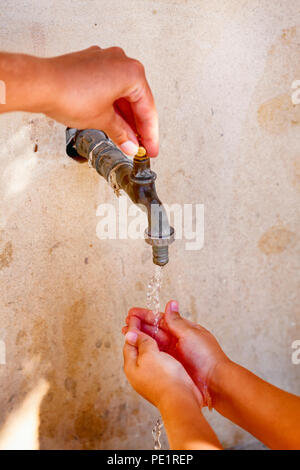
(221, 73)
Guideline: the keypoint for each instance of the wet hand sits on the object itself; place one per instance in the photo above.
(154, 374)
(191, 344)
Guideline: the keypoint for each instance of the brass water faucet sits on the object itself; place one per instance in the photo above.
(134, 177)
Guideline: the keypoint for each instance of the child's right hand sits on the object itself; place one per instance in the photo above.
(191, 344)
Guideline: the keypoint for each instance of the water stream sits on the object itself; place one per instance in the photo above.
(156, 432)
(153, 294)
(153, 303)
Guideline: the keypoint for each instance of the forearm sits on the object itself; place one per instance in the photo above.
(186, 427)
(265, 411)
(26, 82)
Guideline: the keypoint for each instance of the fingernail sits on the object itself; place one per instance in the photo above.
(174, 306)
(131, 337)
(129, 148)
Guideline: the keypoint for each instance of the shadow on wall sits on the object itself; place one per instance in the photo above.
(59, 358)
(64, 409)
(74, 390)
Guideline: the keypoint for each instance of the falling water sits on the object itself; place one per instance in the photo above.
(153, 303)
(153, 294)
(156, 432)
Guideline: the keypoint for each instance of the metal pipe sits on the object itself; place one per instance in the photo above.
(135, 178)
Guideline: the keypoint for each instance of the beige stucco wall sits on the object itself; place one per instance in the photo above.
(221, 72)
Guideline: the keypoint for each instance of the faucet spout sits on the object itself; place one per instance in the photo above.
(135, 178)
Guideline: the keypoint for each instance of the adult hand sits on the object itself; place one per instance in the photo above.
(94, 88)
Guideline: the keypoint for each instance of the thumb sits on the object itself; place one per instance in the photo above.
(177, 325)
(130, 351)
(121, 133)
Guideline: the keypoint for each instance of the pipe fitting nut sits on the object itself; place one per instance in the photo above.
(160, 241)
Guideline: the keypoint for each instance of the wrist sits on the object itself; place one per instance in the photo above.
(179, 398)
(27, 81)
(185, 424)
(219, 379)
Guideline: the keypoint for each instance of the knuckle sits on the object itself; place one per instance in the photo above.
(95, 48)
(136, 68)
(114, 130)
(176, 318)
(117, 50)
(144, 341)
(119, 136)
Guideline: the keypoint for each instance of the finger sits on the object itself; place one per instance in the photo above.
(145, 315)
(177, 325)
(146, 122)
(161, 337)
(130, 351)
(139, 312)
(144, 342)
(164, 341)
(134, 322)
(148, 317)
(120, 132)
(151, 331)
(145, 115)
(130, 354)
(123, 107)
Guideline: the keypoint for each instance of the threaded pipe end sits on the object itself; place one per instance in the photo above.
(160, 255)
